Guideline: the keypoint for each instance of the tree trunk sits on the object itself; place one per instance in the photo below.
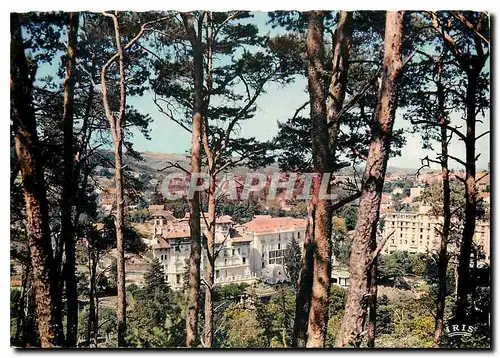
(443, 254)
(27, 148)
(351, 330)
(322, 160)
(119, 221)
(92, 318)
(209, 274)
(470, 200)
(304, 284)
(325, 119)
(315, 52)
(67, 233)
(193, 304)
(340, 69)
(321, 210)
(373, 288)
(116, 123)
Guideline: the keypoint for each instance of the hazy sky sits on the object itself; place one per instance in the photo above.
(280, 103)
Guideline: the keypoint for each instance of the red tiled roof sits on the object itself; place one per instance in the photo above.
(263, 223)
(483, 178)
(178, 232)
(162, 244)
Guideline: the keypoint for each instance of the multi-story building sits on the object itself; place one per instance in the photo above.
(419, 232)
(268, 237)
(243, 251)
(482, 238)
(412, 232)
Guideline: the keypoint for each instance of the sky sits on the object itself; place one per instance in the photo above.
(279, 103)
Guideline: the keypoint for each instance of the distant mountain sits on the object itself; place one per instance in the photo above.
(154, 161)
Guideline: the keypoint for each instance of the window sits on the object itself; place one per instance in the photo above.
(244, 260)
(406, 241)
(225, 262)
(420, 236)
(178, 248)
(421, 230)
(393, 241)
(233, 251)
(298, 235)
(217, 273)
(400, 235)
(178, 279)
(263, 264)
(279, 245)
(239, 251)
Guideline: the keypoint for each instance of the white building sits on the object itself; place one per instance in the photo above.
(416, 192)
(243, 251)
(419, 232)
(269, 237)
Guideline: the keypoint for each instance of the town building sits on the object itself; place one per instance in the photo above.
(268, 237)
(418, 232)
(245, 252)
(416, 192)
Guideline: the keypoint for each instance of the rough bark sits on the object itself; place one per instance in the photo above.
(119, 223)
(351, 331)
(340, 69)
(210, 269)
(373, 288)
(116, 124)
(321, 211)
(443, 254)
(193, 305)
(304, 284)
(322, 160)
(470, 200)
(67, 233)
(28, 153)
